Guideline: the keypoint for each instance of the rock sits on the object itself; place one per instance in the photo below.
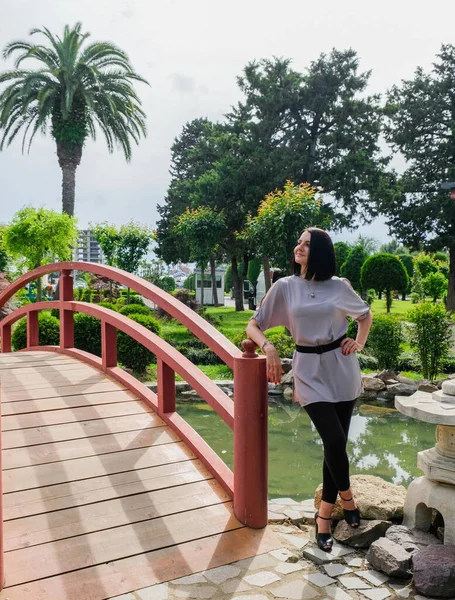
(373, 383)
(376, 498)
(389, 558)
(287, 378)
(424, 539)
(402, 389)
(451, 376)
(407, 380)
(448, 387)
(363, 535)
(286, 364)
(391, 381)
(387, 374)
(288, 393)
(427, 387)
(434, 571)
(401, 535)
(369, 410)
(275, 389)
(368, 395)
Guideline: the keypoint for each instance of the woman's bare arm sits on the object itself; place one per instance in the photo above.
(274, 368)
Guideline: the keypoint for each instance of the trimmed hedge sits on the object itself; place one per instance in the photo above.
(87, 333)
(49, 332)
(135, 309)
(132, 354)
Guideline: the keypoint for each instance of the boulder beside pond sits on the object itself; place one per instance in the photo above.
(376, 498)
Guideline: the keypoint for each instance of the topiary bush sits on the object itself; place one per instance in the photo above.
(430, 336)
(185, 296)
(135, 309)
(49, 332)
(385, 340)
(136, 299)
(192, 348)
(384, 273)
(367, 362)
(87, 333)
(132, 354)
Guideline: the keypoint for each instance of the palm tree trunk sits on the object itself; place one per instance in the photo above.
(69, 158)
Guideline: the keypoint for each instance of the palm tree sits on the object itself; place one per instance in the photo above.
(75, 90)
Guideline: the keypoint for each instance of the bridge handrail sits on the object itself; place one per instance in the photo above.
(215, 340)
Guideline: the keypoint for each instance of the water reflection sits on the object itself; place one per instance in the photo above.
(382, 442)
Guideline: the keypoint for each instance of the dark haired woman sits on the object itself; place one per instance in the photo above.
(313, 304)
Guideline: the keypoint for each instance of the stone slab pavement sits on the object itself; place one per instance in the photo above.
(297, 571)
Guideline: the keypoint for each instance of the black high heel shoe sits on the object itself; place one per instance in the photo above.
(324, 540)
(352, 517)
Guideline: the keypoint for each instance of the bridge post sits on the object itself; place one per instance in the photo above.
(32, 329)
(166, 387)
(5, 333)
(108, 345)
(250, 438)
(66, 316)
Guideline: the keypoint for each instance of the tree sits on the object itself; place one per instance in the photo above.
(421, 126)
(3, 253)
(384, 272)
(133, 243)
(341, 254)
(435, 285)
(408, 264)
(393, 247)
(369, 244)
(352, 267)
(281, 218)
(75, 90)
(424, 264)
(40, 236)
(108, 238)
(201, 229)
(318, 127)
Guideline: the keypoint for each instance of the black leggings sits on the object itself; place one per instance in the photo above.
(332, 422)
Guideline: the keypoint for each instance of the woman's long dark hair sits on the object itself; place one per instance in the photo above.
(321, 263)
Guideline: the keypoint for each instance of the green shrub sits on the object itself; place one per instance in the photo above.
(408, 361)
(367, 362)
(430, 335)
(371, 297)
(79, 294)
(185, 296)
(135, 309)
(87, 333)
(49, 332)
(209, 317)
(385, 340)
(192, 348)
(166, 283)
(108, 305)
(188, 284)
(353, 328)
(435, 285)
(87, 295)
(136, 299)
(132, 354)
(55, 312)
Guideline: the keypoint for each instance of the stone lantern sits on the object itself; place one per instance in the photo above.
(436, 490)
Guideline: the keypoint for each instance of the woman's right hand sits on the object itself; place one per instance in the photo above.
(274, 367)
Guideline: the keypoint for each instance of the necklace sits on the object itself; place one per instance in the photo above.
(312, 291)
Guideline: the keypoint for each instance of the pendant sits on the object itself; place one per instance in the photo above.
(312, 294)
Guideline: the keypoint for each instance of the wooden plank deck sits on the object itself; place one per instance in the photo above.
(101, 497)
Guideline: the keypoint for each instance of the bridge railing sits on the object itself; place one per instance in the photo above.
(246, 415)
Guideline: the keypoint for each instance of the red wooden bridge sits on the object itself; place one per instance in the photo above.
(106, 489)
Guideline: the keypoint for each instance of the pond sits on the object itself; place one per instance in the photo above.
(382, 442)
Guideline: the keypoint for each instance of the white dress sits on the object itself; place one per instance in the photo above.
(315, 313)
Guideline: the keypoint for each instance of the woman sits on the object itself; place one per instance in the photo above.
(313, 304)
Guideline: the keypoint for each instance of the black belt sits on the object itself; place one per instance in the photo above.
(320, 349)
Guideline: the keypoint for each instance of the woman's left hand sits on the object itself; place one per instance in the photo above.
(349, 346)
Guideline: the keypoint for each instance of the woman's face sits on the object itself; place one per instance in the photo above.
(302, 250)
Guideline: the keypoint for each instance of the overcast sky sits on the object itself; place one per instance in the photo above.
(191, 52)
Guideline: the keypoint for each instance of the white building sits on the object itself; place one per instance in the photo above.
(208, 293)
(88, 249)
